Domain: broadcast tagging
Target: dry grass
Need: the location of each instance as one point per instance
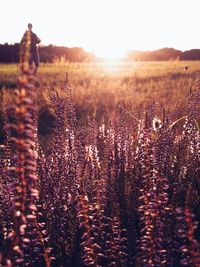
(104, 170)
(98, 89)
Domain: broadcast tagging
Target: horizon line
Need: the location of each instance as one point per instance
(92, 52)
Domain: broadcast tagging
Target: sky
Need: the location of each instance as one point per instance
(108, 28)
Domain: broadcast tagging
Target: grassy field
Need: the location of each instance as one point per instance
(104, 169)
(99, 89)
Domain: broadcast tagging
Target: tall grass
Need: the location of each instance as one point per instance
(122, 189)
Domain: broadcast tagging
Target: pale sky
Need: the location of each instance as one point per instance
(108, 28)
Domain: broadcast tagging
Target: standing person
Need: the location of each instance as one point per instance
(34, 41)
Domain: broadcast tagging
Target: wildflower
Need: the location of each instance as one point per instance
(186, 68)
(157, 124)
(102, 130)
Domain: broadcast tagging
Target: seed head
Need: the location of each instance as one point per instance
(157, 124)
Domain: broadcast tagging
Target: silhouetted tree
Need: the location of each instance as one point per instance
(193, 54)
(9, 53)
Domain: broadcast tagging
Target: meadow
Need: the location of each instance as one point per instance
(99, 164)
(99, 88)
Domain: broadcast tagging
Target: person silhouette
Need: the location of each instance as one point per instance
(34, 41)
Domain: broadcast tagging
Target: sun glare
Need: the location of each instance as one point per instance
(110, 53)
(111, 58)
(108, 29)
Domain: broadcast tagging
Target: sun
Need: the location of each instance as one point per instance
(109, 52)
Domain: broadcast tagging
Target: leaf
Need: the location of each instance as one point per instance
(175, 122)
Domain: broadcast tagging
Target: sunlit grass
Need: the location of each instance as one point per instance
(103, 171)
(99, 88)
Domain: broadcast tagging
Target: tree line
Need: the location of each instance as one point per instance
(9, 53)
(164, 54)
